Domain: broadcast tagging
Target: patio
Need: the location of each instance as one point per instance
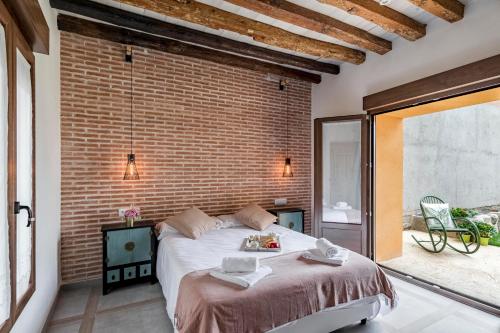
(476, 275)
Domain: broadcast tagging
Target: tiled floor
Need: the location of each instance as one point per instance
(81, 308)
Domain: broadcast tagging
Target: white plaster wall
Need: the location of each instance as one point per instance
(446, 46)
(454, 155)
(48, 189)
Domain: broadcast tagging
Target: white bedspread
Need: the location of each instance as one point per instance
(179, 255)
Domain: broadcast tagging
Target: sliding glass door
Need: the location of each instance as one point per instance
(340, 177)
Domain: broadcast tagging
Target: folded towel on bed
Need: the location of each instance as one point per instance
(339, 259)
(327, 248)
(242, 279)
(240, 264)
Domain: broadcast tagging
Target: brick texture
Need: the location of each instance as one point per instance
(205, 135)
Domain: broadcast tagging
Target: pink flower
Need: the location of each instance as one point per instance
(132, 212)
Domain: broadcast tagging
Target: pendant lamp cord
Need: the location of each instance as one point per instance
(131, 100)
(286, 89)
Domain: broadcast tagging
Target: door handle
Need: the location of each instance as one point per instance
(17, 209)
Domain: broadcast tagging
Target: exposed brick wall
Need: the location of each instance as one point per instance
(205, 135)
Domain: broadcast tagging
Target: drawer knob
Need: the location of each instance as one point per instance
(129, 246)
(145, 271)
(291, 225)
(112, 277)
(129, 273)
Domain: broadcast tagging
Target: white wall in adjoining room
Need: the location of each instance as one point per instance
(48, 179)
(445, 46)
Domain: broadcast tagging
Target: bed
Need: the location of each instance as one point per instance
(179, 256)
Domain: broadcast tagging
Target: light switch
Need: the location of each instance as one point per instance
(280, 202)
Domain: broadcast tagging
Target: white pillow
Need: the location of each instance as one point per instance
(440, 211)
(228, 221)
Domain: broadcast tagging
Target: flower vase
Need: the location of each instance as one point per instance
(130, 222)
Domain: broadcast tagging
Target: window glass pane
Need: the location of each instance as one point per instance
(24, 173)
(342, 172)
(4, 226)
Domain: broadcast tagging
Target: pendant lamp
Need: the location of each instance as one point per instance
(131, 172)
(287, 170)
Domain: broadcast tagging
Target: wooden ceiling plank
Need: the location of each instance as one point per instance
(449, 10)
(387, 18)
(153, 26)
(300, 16)
(131, 37)
(212, 17)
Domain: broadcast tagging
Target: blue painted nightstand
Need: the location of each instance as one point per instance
(129, 254)
(292, 218)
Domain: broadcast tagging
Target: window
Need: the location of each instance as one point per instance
(17, 232)
(4, 223)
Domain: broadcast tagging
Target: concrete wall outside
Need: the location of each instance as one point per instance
(454, 155)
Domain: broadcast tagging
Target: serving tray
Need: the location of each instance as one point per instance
(256, 243)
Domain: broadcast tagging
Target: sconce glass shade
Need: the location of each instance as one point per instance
(131, 172)
(287, 171)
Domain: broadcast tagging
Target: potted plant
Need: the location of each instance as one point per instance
(485, 232)
(466, 224)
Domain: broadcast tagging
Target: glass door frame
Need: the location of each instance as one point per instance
(366, 245)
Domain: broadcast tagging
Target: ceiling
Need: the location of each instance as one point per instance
(402, 6)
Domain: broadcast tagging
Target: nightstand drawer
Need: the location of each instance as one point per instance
(128, 246)
(129, 273)
(145, 270)
(113, 276)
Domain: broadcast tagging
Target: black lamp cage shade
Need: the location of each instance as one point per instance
(131, 172)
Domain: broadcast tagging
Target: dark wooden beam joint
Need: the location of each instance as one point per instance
(156, 27)
(476, 76)
(29, 17)
(127, 36)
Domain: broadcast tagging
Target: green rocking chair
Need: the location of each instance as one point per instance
(439, 222)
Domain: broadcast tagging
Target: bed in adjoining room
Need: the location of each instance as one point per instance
(299, 295)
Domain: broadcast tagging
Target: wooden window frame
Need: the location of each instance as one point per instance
(15, 40)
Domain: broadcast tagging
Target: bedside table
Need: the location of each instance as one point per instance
(128, 254)
(291, 218)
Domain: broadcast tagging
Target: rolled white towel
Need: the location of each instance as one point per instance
(244, 280)
(338, 260)
(327, 248)
(240, 264)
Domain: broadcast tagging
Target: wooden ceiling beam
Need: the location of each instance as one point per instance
(131, 37)
(289, 12)
(383, 16)
(153, 26)
(212, 17)
(449, 10)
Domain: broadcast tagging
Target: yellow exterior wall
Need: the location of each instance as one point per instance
(388, 187)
